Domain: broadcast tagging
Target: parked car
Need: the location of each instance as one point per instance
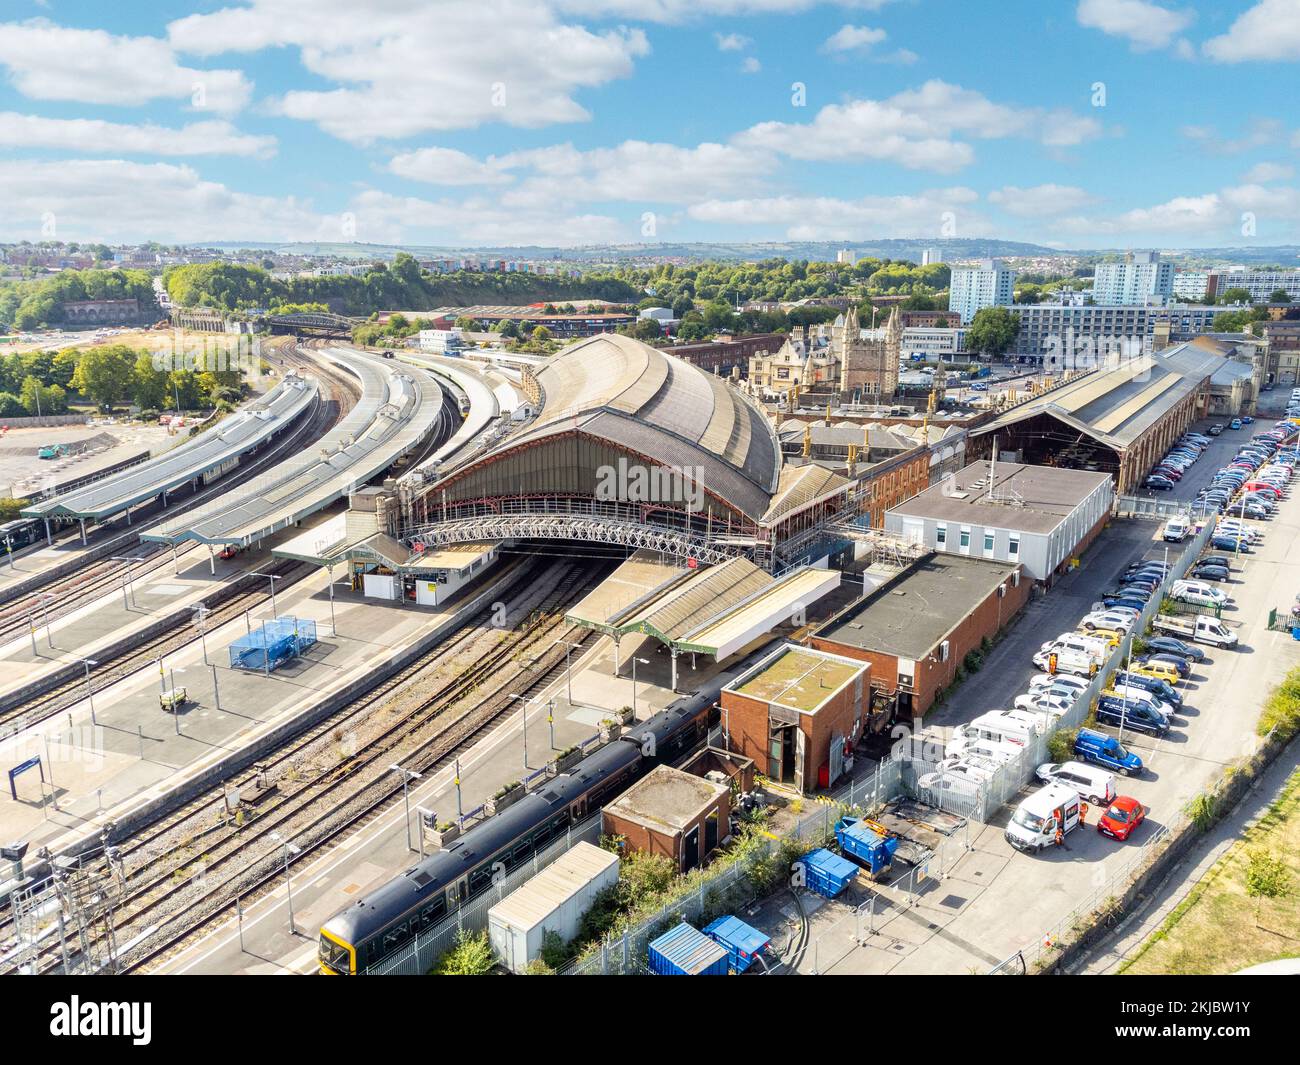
(1230, 543)
(1171, 645)
(1202, 572)
(1121, 817)
(1131, 715)
(1176, 530)
(1235, 423)
(1156, 686)
(1169, 668)
(1215, 430)
(1093, 746)
(1095, 785)
(1157, 483)
(1115, 620)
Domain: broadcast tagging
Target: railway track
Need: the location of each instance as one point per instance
(51, 601)
(189, 869)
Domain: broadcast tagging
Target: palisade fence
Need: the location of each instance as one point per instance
(928, 780)
(727, 886)
(1159, 509)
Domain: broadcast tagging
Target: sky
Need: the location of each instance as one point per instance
(1069, 123)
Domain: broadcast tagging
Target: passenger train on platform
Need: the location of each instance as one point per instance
(386, 919)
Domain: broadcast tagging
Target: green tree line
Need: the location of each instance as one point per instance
(36, 304)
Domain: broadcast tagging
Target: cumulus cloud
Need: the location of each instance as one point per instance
(1144, 25)
(1269, 31)
(849, 38)
(403, 67)
(1041, 201)
(1267, 173)
(919, 128)
(445, 166)
(94, 135)
(50, 62)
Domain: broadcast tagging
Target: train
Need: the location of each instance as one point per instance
(386, 919)
(15, 535)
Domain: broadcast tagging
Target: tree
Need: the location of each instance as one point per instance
(104, 374)
(992, 331)
(148, 383)
(1235, 295)
(647, 329)
(1279, 295)
(1266, 878)
(466, 323)
(471, 956)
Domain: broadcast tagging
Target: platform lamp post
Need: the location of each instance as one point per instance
(126, 575)
(407, 776)
(200, 620)
(46, 599)
(568, 670)
(9, 550)
(90, 692)
(272, 577)
(289, 848)
(334, 629)
(644, 662)
(525, 700)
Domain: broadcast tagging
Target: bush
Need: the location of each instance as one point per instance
(972, 662)
(1060, 747)
(471, 956)
(1282, 709)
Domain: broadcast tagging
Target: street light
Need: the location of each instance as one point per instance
(407, 776)
(568, 671)
(126, 576)
(200, 619)
(334, 629)
(289, 849)
(46, 599)
(525, 700)
(644, 662)
(272, 577)
(90, 692)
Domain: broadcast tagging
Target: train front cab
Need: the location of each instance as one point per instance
(336, 957)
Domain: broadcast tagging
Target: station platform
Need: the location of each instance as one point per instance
(109, 617)
(326, 883)
(133, 755)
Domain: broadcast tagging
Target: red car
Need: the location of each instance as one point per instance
(1121, 817)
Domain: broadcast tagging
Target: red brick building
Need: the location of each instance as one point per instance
(670, 812)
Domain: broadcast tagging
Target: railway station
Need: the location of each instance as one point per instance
(199, 461)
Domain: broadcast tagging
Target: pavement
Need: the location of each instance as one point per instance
(991, 900)
(326, 883)
(103, 761)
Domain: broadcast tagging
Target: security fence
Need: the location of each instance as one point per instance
(1159, 509)
(922, 764)
(418, 956)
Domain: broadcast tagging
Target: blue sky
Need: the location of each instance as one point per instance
(1075, 123)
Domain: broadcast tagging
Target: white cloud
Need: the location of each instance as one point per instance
(917, 128)
(50, 62)
(384, 218)
(1266, 173)
(1268, 31)
(115, 200)
(1143, 24)
(405, 67)
(1041, 201)
(1206, 219)
(849, 38)
(445, 166)
(1257, 133)
(750, 65)
(830, 218)
(93, 135)
(671, 11)
(732, 42)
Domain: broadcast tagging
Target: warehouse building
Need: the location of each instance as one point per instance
(918, 627)
(797, 714)
(1118, 419)
(1038, 516)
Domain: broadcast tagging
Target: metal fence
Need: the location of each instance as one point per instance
(726, 886)
(981, 801)
(1159, 509)
(418, 956)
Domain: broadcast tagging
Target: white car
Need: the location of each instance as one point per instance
(962, 776)
(1108, 619)
(1198, 591)
(1046, 682)
(1048, 702)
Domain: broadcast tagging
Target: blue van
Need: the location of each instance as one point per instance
(1113, 711)
(1106, 750)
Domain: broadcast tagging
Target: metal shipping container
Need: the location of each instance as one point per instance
(743, 942)
(826, 872)
(552, 901)
(686, 951)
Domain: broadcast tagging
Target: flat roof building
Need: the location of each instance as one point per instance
(673, 813)
(917, 627)
(1038, 516)
(797, 714)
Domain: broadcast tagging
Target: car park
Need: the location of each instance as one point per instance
(1121, 817)
(1093, 784)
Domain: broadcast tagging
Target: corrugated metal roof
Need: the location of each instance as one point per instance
(710, 590)
(543, 894)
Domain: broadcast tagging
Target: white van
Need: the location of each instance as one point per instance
(980, 751)
(1091, 783)
(1001, 726)
(1079, 643)
(1033, 825)
(1078, 663)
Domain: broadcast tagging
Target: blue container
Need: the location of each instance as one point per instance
(826, 873)
(860, 842)
(686, 951)
(743, 943)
